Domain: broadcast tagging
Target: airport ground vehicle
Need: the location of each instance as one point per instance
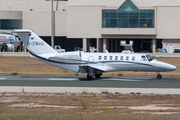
(176, 50)
(9, 42)
(58, 49)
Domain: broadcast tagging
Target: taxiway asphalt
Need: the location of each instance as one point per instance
(82, 81)
(77, 84)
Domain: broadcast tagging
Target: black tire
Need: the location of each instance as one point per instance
(89, 77)
(5, 48)
(17, 49)
(97, 75)
(159, 76)
(2, 48)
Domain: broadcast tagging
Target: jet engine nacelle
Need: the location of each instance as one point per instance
(9, 47)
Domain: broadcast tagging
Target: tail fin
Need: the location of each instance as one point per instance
(34, 43)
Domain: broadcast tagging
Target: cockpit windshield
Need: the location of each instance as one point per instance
(149, 58)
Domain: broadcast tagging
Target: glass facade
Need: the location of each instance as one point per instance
(10, 24)
(128, 16)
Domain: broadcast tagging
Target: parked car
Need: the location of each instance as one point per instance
(176, 50)
(58, 49)
(161, 50)
(77, 48)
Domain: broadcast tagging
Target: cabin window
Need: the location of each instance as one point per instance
(127, 58)
(133, 58)
(99, 57)
(79, 54)
(116, 58)
(105, 57)
(143, 58)
(121, 57)
(110, 57)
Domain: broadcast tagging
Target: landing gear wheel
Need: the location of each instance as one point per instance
(89, 77)
(159, 76)
(97, 75)
(5, 48)
(2, 49)
(17, 49)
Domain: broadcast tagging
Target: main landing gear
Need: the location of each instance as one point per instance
(98, 75)
(89, 77)
(159, 76)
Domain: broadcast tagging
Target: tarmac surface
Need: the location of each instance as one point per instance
(77, 84)
(82, 81)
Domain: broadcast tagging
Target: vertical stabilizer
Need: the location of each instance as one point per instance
(34, 43)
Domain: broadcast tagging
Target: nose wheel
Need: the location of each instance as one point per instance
(159, 76)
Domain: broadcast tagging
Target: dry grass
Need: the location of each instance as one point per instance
(30, 106)
(29, 66)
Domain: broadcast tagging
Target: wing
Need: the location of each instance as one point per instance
(97, 69)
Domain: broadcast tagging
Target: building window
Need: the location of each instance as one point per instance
(10, 24)
(116, 58)
(121, 57)
(99, 57)
(105, 57)
(127, 16)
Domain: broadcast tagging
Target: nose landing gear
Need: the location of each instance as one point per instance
(159, 76)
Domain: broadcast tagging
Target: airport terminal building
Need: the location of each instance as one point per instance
(151, 24)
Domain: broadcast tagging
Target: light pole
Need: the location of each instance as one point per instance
(53, 21)
(52, 25)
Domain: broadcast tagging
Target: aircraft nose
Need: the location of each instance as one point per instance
(172, 67)
(167, 66)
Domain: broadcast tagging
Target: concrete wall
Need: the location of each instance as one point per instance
(38, 21)
(10, 15)
(168, 42)
(83, 22)
(61, 23)
(168, 22)
(82, 18)
(129, 31)
(118, 3)
(26, 5)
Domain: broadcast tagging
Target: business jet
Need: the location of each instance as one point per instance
(8, 42)
(94, 64)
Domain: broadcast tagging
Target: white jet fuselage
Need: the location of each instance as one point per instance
(92, 63)
(106, 62)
